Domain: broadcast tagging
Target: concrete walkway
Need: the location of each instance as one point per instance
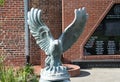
(98, 75)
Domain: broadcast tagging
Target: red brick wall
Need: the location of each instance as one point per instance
(96, 9)
(52, 17)
(12, 32)
(57, 14)
(12, 29)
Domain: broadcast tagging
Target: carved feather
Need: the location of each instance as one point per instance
(39, 30)
(74, 30)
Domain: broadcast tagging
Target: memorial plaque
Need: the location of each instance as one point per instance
(106, 38)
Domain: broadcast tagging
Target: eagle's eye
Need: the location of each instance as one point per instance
(44, 34)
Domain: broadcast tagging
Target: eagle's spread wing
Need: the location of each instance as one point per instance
(73, 31)
(39, 30)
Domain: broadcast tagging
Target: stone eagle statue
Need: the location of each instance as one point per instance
(54, 48)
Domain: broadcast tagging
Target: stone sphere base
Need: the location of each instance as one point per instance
(42, 80)
(54, 73)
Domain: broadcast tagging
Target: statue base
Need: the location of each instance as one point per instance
(54, 74)
(65, 80)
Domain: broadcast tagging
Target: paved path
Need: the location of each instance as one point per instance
(98, 75)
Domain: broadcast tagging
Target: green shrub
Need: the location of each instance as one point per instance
(2, 2)
(9, 74)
